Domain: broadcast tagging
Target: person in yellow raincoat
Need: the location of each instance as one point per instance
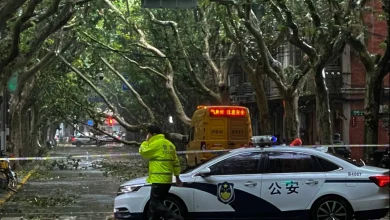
(163, 164)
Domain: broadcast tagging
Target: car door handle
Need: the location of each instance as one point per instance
(250, 183)
(311, 182)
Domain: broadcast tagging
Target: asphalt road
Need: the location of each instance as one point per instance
(71, 190)
(60, 191)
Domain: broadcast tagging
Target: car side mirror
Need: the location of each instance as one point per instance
(204, 172)
(184, 139)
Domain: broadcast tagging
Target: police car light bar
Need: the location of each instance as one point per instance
(264, 139)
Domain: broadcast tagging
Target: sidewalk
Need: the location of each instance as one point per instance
(23, 175)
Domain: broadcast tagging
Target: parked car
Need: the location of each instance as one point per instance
(275, 182)
(85, 140)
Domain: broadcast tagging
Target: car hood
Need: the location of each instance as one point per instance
(136, 181)
(142, 180)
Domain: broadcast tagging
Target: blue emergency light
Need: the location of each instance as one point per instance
(263, 140)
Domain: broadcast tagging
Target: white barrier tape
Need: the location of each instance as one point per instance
(178, 152)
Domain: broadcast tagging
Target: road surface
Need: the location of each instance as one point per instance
(59, 191)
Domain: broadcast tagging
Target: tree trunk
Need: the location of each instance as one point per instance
(176, 101)
(16, 138)
(371, 109)
(292, 116)
(257, 81)
(324, 124)
(43, 134)
(27, 149)
(224, 93)
(34, 126)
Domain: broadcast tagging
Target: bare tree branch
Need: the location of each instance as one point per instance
(306, 48)
(51, 11)
(169, 74)
(110, 106)
(264, 52)
(7, 9)
(313, 12)
(120, 105)
(135, 93)
(110, 135)
(202, 86)
(364, 55)
(206, 48)
(36, 42)
(146, 68)
(14, 50)
(45, 61)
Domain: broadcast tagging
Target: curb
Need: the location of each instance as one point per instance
(21, 183)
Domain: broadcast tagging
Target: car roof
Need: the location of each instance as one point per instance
(277, 148)
(308, 150)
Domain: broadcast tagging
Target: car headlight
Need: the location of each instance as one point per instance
(128, 189)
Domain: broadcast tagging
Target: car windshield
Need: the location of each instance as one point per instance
(190, 169)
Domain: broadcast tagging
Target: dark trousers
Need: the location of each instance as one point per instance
(157, 208)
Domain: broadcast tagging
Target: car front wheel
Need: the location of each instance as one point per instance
(173, 204)
(331, 207)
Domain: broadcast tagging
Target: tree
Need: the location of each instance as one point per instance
(376, 66)
(165, 64)
(23, 34)
(29, 42)
(320, 36)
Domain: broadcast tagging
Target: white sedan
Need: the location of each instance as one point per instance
(264, 183)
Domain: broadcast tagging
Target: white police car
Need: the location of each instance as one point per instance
(264, 183)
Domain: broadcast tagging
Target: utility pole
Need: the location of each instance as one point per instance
(4, 119)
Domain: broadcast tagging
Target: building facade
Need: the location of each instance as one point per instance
(345, 80)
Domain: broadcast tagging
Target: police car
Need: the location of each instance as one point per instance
(263, 183)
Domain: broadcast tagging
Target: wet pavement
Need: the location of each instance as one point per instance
(69, 188)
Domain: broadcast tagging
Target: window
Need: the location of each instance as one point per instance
(326, 165)
(289, 162)
(245, 163)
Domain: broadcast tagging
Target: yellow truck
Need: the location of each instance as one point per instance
(216, 128)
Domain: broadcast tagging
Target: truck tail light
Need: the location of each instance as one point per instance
(73, 138)
(380, 181)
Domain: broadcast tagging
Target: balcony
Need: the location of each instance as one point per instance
(241, 90)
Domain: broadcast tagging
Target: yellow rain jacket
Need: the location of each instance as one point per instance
(163, 161)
